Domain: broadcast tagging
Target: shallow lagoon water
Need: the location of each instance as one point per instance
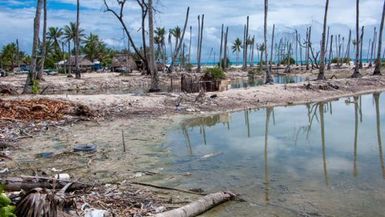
(254, 82)
(313, 160)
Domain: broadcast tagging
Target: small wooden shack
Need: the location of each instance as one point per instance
(123, 63)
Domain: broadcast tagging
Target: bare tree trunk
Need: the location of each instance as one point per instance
(152, 66)
(296, 47)
(225, 65)
(373, 47)
(221, 48)
(252, 52)
(44, 43)
(348, 45)
(245, 42)
(377, 70)
(272, 49)
(77, 39)
(361, 45)
(189, 47)
(330, 52)
(321, 74)
(36, 29)
(179, 43)
(200, 43)
(269, 77)
(356, 72)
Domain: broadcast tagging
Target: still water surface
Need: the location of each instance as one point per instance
(321, 159)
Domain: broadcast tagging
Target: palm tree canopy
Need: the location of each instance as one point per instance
(237, 45)
(70, 32)
(160, 36)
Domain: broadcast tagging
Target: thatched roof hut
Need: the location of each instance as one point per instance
(123, 61)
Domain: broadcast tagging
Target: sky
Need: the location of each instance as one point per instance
(16, 19)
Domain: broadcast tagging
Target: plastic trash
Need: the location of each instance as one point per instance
(88, 148)
(96, 213)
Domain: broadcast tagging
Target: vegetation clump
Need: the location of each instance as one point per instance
(341, 60)
(6, 209)
(215, 73)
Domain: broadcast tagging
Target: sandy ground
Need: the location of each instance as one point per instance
(158, 104)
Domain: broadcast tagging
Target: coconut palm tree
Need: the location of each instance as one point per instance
(69, 33)
(54, 35)
(93, 47)
(321, 75)
(356, 72)
(175, 33)
(159, 38)
(237, 46)
(377, 70)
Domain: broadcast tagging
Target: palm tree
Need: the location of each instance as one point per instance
(53, 36)
(377, 70)
(237, 45)
(177, 34)
(69, 35)
(321, 75)
(36, 29)
(356, 72)
(93, 47)
(159, 38)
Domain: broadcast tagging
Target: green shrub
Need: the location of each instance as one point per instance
(35, 87)
(341, 60)
(189, 67)
(6, 209)
(286, 60)
(216, 73)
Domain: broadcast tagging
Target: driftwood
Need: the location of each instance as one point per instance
(169, 188)
(28, 183)
(200, 206)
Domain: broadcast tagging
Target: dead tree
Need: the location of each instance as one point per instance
(200, 39)
(225, 63)
(269, 77)
(321, 74)
(361, 45)
(377, 70)
(178, 45)
(330, 53)
(245, 45)
(347, 56)
(77, 41)
(373, 48)
(221, 48)
(144, 11)
(356, 72)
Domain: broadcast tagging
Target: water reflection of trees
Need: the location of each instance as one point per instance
(266, 157)
(376, 97)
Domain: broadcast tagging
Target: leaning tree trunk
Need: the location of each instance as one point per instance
(269, 77)
(44, 43)
(356, 72)
(36, 28)
(153, 68)
(321, 74)
(178, 43)
(77, 39)
(377, 70)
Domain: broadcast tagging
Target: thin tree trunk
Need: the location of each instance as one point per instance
(179, 43)
(247, 37)
(77, 39)
(348, 46)
(189, 48)
(361, 45)
(356, 72)
(321, 75)
(330, 53)
(373, 47)
(221, 48)
(377, 70)
(252, 52)
(269, 77)
(225, 65)
(200, 43)
(272, 49)
(44, 43)
(36, 29)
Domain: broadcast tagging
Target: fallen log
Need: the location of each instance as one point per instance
(29, 183)
(200, 206)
